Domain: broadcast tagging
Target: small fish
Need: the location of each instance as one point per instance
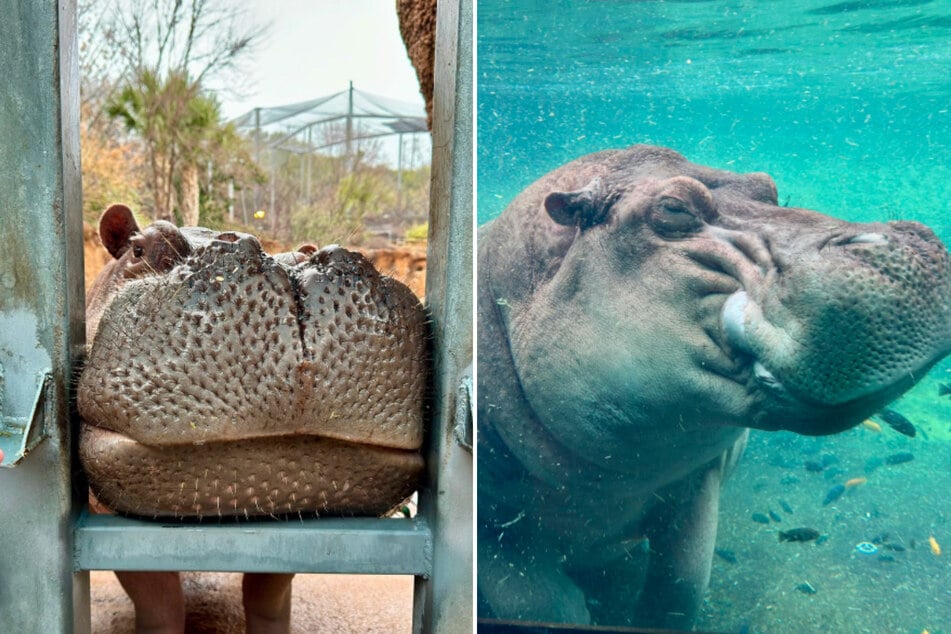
(898, 422)
(774, 516)
(935, 546)
(854, 482)
(880, 538)
(944, 389)
(798, 535)
(898, 548)
(785, 506)
(725, 555)
(900, 457)
(834, 494)
(887, 558)
(872, 425)
(759, 518)
(806, 588)
(812, 465)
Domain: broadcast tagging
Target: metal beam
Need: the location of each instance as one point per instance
(41, 312)
(444, 604)
(326, 545)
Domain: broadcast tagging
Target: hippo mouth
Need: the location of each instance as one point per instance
(240, 385)
(777, 405)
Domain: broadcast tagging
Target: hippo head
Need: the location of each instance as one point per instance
(223, 381)
(665, 290)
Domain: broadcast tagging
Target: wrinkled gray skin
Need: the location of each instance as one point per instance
(221, 381)
(637, 313)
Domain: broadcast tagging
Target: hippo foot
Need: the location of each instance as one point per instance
(288, 475)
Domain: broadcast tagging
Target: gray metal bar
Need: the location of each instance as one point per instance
(444, 604)
(41, 310)
(326, 545)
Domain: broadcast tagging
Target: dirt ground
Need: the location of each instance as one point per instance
(344, 604)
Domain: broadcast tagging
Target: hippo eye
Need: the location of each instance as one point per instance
(674, 216)
(137, 250)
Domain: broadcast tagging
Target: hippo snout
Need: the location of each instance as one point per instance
(850, 320)
(234, 383)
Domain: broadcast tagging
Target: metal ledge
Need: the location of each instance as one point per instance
(328, 545)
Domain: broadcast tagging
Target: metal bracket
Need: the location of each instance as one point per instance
(21, 434)
(462, 420)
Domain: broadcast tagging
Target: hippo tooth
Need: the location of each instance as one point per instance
(764, 376)
(868, 238)
(733, 317)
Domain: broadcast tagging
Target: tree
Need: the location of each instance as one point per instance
(207, 40)
(148, 63)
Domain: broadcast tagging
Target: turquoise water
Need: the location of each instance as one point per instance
(847, 105)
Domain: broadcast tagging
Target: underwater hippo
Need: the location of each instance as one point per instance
(637, 314)
(221, 381)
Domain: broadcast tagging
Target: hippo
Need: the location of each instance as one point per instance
(637, 315)
(223, 382)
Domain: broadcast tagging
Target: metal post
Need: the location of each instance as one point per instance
(349, 128)
(41, 313)
(444, 602)
(399, 174)
(310, 151)
(257, 157)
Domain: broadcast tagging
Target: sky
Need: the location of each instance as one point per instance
(315, 47)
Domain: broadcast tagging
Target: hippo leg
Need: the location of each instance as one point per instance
(158, 600)
(682, 533)
(611, 584)
(267, 602)
(526, 583)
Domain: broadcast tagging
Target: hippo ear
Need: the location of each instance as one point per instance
(583, 208)
(116, 226)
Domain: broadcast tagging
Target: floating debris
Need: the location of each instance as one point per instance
(866, 548)
(854, 482)
(806, 588)
(759, 518)
(872, 425)
(898, 422)
(899, 458)
(935, 546)
(834, 494)
(813, 466)
(774, 516)
(725, 554)
(785, 506)
(798, 535)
